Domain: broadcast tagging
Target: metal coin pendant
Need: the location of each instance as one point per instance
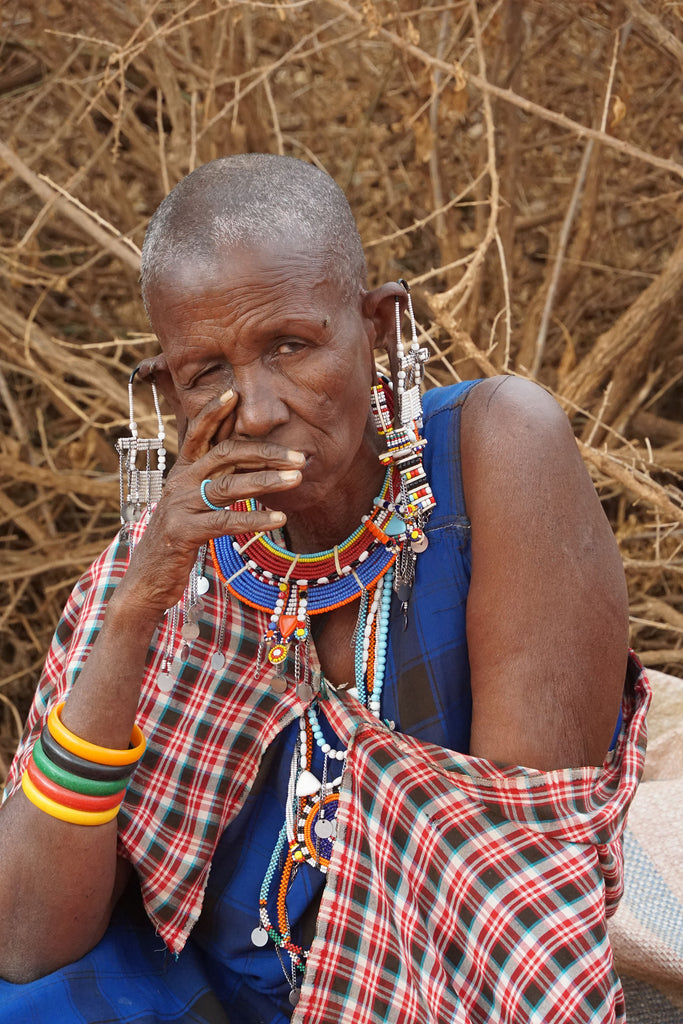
(165, 682)
(323, 828)
(202, 585)
(189, 631)
(278, 683)
(217, 661)
(304, 692)
(259, 936)
(294, 996)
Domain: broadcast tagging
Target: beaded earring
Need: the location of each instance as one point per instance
(139, 488)
(401, 433)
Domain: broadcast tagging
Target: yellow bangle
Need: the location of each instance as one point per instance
(91, 751)
(70, 814)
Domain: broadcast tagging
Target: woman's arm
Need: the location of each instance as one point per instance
(547, 612)
(59, 881)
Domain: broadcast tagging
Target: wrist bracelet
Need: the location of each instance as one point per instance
(67, 779)
(68, 814)
(78, 765)
(92, 751)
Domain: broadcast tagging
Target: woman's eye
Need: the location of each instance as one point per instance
(289, 347)
(208, 373)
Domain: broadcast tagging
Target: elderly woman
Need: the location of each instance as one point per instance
(338, 723)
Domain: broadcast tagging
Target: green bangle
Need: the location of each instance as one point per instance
(75, 783)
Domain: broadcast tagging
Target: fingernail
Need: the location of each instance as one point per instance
(288, 476)
(276, 518)
(294, 456)
(226, 396)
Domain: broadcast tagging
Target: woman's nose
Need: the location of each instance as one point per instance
(260, 409)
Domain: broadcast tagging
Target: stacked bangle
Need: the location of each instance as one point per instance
(57, 810)
(91, 751)
(77, 781)
(78, 765)
(67, 797)
(70, 781)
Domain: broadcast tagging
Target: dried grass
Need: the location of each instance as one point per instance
(518, 161)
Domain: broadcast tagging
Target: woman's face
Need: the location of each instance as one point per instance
(275, 328)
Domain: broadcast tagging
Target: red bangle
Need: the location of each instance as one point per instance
(66, 797)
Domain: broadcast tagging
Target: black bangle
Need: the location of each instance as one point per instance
(79, 765)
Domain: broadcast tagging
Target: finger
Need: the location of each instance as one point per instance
(233, 521)
(201, 430)
(241, 455)
(218, 493)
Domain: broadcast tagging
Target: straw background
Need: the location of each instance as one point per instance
(519, 162)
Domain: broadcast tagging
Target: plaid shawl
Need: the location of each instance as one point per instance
(463, 892)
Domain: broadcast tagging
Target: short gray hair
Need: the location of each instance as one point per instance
(252, 199)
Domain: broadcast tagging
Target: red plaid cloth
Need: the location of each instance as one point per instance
(457, 891)
(205, 739)
(462, 892)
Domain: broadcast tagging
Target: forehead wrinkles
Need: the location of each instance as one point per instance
(241, 299)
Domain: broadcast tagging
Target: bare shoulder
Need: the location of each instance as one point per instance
(547, 611)
(518, 445)
(502, 411)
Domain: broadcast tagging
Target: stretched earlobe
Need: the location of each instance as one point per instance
(379, 306)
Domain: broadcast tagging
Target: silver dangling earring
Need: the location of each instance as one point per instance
(404, 448)
(139, 488)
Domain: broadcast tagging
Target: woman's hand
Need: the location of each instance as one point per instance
(238, 469)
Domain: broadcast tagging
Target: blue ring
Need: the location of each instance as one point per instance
(209, 504)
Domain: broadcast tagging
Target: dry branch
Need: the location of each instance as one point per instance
(458, 131)
(64, 206)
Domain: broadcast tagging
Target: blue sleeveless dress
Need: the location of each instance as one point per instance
(220, 977)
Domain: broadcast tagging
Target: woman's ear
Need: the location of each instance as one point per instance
(379, 306)
(155, 371)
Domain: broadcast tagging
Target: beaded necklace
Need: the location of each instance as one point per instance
(291, 587)
(309, 830)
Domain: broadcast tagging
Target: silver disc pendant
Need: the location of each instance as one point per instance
(278, 684)
(304, 692)
(202, 585)
(217, 661)
(323, 828)
(189, 631)
(165, 682)
(294, 996)
(259, 936)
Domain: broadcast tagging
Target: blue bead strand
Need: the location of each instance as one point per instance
(381, 641)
